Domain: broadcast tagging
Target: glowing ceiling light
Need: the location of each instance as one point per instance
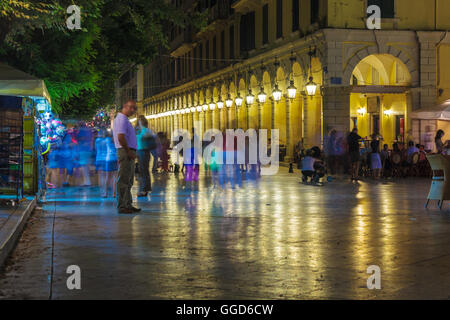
(292, 90)
(250, 98)
(238, 100)
(229, 101)
(311, 87)
(262, 96)
(276, 93)
(388, 112)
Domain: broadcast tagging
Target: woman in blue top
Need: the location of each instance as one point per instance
(144, 136)
(100, 161)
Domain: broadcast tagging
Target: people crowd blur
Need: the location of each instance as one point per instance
(358, 157)
(110, 158)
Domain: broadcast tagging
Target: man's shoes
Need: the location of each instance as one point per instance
(126, 211)
(129, 210)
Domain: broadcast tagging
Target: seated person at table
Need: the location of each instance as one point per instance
(422, 153)
(446, 148)
(403, 153)
(312, 167)
(412, 149)
(385, 160)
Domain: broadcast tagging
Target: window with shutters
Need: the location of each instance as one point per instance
(387, 7)
(214, 49)
(265, 24)
(207, 55)
(200, 59)
(280, 18)
(295, 15)
(232, 42)
(222, 45)
(195, 60)
(247, 32)
(314, 11)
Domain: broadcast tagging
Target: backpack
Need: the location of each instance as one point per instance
(151, 143)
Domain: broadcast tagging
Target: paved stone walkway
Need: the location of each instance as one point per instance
(271, 238)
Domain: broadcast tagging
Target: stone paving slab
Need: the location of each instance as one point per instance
(12, 222)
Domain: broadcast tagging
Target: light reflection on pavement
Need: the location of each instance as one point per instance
(270, 238)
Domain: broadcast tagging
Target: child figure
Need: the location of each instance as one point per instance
(312, 167)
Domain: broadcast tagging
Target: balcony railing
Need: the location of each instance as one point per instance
(218, 14)
(182, 43)
(244, 6)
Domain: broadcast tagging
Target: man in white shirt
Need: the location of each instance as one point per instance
(126, 144)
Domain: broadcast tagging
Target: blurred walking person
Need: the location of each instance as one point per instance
(145, 142)
(156, 153)
(353, 140)
(375, 158)
(126, 144)
(332, 152)
(54, 167)
(100, 161)
(67, 159)
(85, 152)
(111, 165)
(165, 146)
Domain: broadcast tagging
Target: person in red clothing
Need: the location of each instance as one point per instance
(165, 146)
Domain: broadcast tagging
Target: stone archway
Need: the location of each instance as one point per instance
(359, 54)
(253, 111)
(379, 101)
(266, 107)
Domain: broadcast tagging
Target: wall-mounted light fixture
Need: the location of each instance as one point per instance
(228, 101)
(238, 100)
(311, 86)
(250, 97)
(276, 93)
(262, 96)
(388, 113)
(292, 90)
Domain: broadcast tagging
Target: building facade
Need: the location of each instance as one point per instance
(311, 66)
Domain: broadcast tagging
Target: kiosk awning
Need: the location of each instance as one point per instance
(14, 82)
(439, 112)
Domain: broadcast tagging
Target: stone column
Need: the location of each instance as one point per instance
(272, 114)
(428, 76)
(247, 121)
(259, 115)
(211, 114)
(140, 90)
(289, 149)
(336, 110)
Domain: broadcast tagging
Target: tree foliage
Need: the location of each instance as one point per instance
(80, 66)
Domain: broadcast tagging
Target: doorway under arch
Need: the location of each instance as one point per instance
(380, 98)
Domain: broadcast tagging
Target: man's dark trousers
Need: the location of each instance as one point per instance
(125, 180)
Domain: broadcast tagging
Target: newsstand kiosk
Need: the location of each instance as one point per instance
(24, 100)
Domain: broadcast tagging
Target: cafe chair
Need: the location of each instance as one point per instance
(440, 185)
